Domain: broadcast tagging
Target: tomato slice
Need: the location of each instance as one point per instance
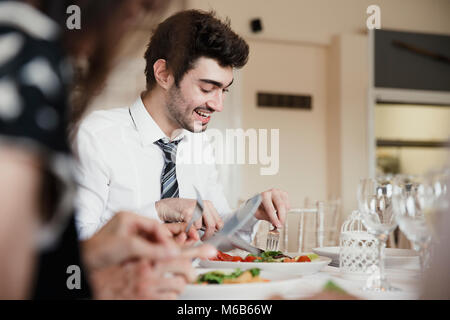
(219, 255)
(289, 260)
(251, 259)
(224, 257)
(236, 258)
(304, 259)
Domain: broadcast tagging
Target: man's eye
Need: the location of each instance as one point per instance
(226, 90)
(205, 91)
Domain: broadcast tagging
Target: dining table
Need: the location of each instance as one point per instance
(406, 280)
(405, 277)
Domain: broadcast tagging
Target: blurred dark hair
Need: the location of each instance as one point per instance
(188, 35)
(104, 23)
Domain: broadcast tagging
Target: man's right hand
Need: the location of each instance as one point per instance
(182, 210)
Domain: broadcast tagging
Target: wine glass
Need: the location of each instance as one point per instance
(374, 202)
(417, 202)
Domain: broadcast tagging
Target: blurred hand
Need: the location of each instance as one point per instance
(177, 229)
(274, 207)
(143, 279)
(139, 280)
(128, 236)
(182, 210)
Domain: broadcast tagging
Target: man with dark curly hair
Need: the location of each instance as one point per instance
(132, 158)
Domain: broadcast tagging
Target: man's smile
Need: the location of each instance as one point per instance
(202, 115)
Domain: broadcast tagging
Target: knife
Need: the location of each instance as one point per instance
(198, 211)
(223, 243)
(239, 243)
(225, 239)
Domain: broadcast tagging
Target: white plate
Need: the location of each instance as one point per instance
(395, 258)
(330, 252)
(298, 268)
(279, 283)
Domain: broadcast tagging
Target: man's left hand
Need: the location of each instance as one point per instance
(274, 207)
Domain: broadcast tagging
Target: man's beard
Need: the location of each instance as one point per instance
(184, 120)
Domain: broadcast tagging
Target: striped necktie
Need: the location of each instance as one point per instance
(169, 184)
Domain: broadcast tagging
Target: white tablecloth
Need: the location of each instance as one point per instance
(406, 280)
(305, 286)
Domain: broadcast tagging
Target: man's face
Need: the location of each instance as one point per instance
(201, 92)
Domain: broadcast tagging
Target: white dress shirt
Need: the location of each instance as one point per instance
(120, 168)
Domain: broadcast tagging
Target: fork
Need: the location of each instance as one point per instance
(273, 237)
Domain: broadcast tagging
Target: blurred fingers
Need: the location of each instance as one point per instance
(150, 229)
(142, 281)
(178, 267)
(137, 247)
(171, 287)
(204, 251)
(193, 235)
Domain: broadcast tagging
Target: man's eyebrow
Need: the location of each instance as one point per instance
(216, 83)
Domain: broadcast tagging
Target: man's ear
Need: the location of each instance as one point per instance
(162, 74)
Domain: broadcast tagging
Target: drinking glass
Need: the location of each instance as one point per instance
(418, 202)
(375, 206)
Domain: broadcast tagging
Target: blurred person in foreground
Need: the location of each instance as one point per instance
(131, 256)
(436, 284)
(142, 156)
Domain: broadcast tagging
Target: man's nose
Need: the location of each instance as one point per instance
(216, 102)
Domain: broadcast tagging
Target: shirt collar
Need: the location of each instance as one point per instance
(148, 129)
(29, 19)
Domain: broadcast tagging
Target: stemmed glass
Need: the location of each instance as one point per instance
(374, 202)
(417, 201)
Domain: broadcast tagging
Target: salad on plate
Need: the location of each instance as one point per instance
(237, 276)
(266, 256)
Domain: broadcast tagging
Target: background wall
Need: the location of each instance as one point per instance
(317, 21)
(288, 68)
(348, 118)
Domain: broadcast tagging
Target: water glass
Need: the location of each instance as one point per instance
(375, 206)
